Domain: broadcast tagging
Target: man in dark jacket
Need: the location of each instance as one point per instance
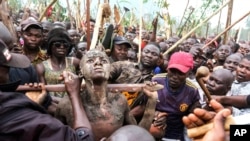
(23, 119)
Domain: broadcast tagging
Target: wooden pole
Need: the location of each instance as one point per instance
(229, 27)
(140, 33)
(190, 32)
(98, 23)
(88, 24)
(229, 18)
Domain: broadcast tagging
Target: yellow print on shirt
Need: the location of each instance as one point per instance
(183, 107)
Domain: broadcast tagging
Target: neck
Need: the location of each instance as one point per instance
(30, 51)
(144, 68)
(97, 91)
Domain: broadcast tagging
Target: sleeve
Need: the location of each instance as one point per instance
(115, 71)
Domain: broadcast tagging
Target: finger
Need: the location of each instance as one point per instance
(35, 85)
(216, 105)
(187, 122)
(204, 114)
(219, 121)
(196, 120)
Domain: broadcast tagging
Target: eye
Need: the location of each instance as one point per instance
(104, 61)
(90, 61)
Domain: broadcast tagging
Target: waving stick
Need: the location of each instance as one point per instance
(228, 28)
(103, 12)
(201, 73)
(190, 32)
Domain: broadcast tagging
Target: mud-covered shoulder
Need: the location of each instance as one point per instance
(64, 111)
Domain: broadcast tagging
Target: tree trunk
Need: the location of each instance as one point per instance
(229, 17)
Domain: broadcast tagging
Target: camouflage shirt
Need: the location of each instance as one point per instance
(40, 57)
(129, 72)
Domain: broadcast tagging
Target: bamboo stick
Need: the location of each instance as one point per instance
(229, 27)
(88, 23)
(190, 32)
(140, 33)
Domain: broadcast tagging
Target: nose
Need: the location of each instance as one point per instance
(97, 61)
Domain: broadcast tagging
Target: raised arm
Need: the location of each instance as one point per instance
(72, 84)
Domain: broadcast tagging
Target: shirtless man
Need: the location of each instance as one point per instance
(106, 111)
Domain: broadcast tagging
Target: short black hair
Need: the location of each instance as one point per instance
(155, 44)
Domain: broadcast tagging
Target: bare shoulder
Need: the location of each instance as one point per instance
(40, 68)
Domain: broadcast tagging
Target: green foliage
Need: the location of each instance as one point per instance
(15, 5)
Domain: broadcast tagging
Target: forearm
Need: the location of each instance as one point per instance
(148, 115)
(242, 101)
(153, 35)
(80, 117)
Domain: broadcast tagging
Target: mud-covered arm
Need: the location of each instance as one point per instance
(149, 112)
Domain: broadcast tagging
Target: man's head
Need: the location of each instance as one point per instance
(220, 81)
(244, 49)
(198, 55)
(243, 69)
(232, 61)
(95, 66)
(150, 55)
(119, 52)
(32, 33)
(58, 39)
(81, 49)
(179, 65)
(47, 26)
(74, 35)
(223, 52)
(130, 133)
(188, 44)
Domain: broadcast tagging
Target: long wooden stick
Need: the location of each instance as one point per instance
(190, 32)
(140, 32)
(88, 24)
(44, 12)
(111, 87)
(229, 27)
(97, 26)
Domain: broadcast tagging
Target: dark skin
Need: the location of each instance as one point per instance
(32, 39)
(120, 52)
(242, 75)
(231, 62)
(201, 116)
(57, 61)
(149, 58)
(219, 82)
(176, 80)
(74, 35)
(72, 86)
(221, 54)
(243, 71)
(106, 111)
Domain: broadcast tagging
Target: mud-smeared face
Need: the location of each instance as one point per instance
(95, 65)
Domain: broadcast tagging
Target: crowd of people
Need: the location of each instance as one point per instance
(55, 53)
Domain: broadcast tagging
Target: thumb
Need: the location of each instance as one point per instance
(219, 122)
